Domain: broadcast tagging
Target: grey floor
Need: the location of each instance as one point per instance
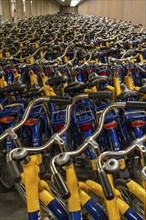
(12, 207)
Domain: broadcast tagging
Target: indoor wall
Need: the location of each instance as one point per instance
(131, 10)
(32, 7)
(28, 8)
(6, 9)
(19, 9)
(67, 9)
(53, 8)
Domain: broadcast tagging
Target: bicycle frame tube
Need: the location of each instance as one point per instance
(137, 131)
(114, 139)
(90, 151)
(129, 81)
(31, 182)
(144, 186)
(53, 205)
(112, 89)
(3, 82)
(16, 74)
(91, 206)
(116, 145)
(111, 205)
(137, 190)
(9, 78)
(79, 77)
(74, 206)
(44, 193)
(9, 140)
(126, 211)
(65, 137)
(116, 85)
(36, 139)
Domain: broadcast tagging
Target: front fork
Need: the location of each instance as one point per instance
(74, 206)
(37, 189)
(79, 198)
(31, 181)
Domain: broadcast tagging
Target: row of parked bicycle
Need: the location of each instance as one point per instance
(73, 88)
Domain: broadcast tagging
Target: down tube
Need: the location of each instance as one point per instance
(53, 205)
(34, 215)
(126, 211)
(92, 207)
(130, 214)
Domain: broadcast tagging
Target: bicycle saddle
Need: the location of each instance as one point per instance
(16, 86)
(143, 87)
(33, 91)
(75, 87)
(57, 79)
(97, 80)
(127, 93)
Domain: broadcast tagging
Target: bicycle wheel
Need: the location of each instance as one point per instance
(6, 183)
(137, 170)
(131, 199)
(135, 167)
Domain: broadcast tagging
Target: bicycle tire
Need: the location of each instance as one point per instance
(6, 183)
(137, 172)
(135, 168)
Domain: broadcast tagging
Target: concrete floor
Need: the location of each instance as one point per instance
(12, 207)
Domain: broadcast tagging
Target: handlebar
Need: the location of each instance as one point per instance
(90, 56)
(55, 137)
(66, 64)
(56, 99)
(59, 100)
(136, 144)
(122, 58)
(63, 158)
(25, 58)
(59, 58)
(112, 164)
(140, 68)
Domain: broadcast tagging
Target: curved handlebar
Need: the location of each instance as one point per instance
(136, 144)
(58, 58)
(56, 99)
(86, 143)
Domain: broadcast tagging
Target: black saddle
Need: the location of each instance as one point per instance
(75, 87)
(96, 80)
(16, 86)
(33, 91)
(56, 80)
(127, 93)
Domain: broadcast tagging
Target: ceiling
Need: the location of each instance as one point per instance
(66, 3)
